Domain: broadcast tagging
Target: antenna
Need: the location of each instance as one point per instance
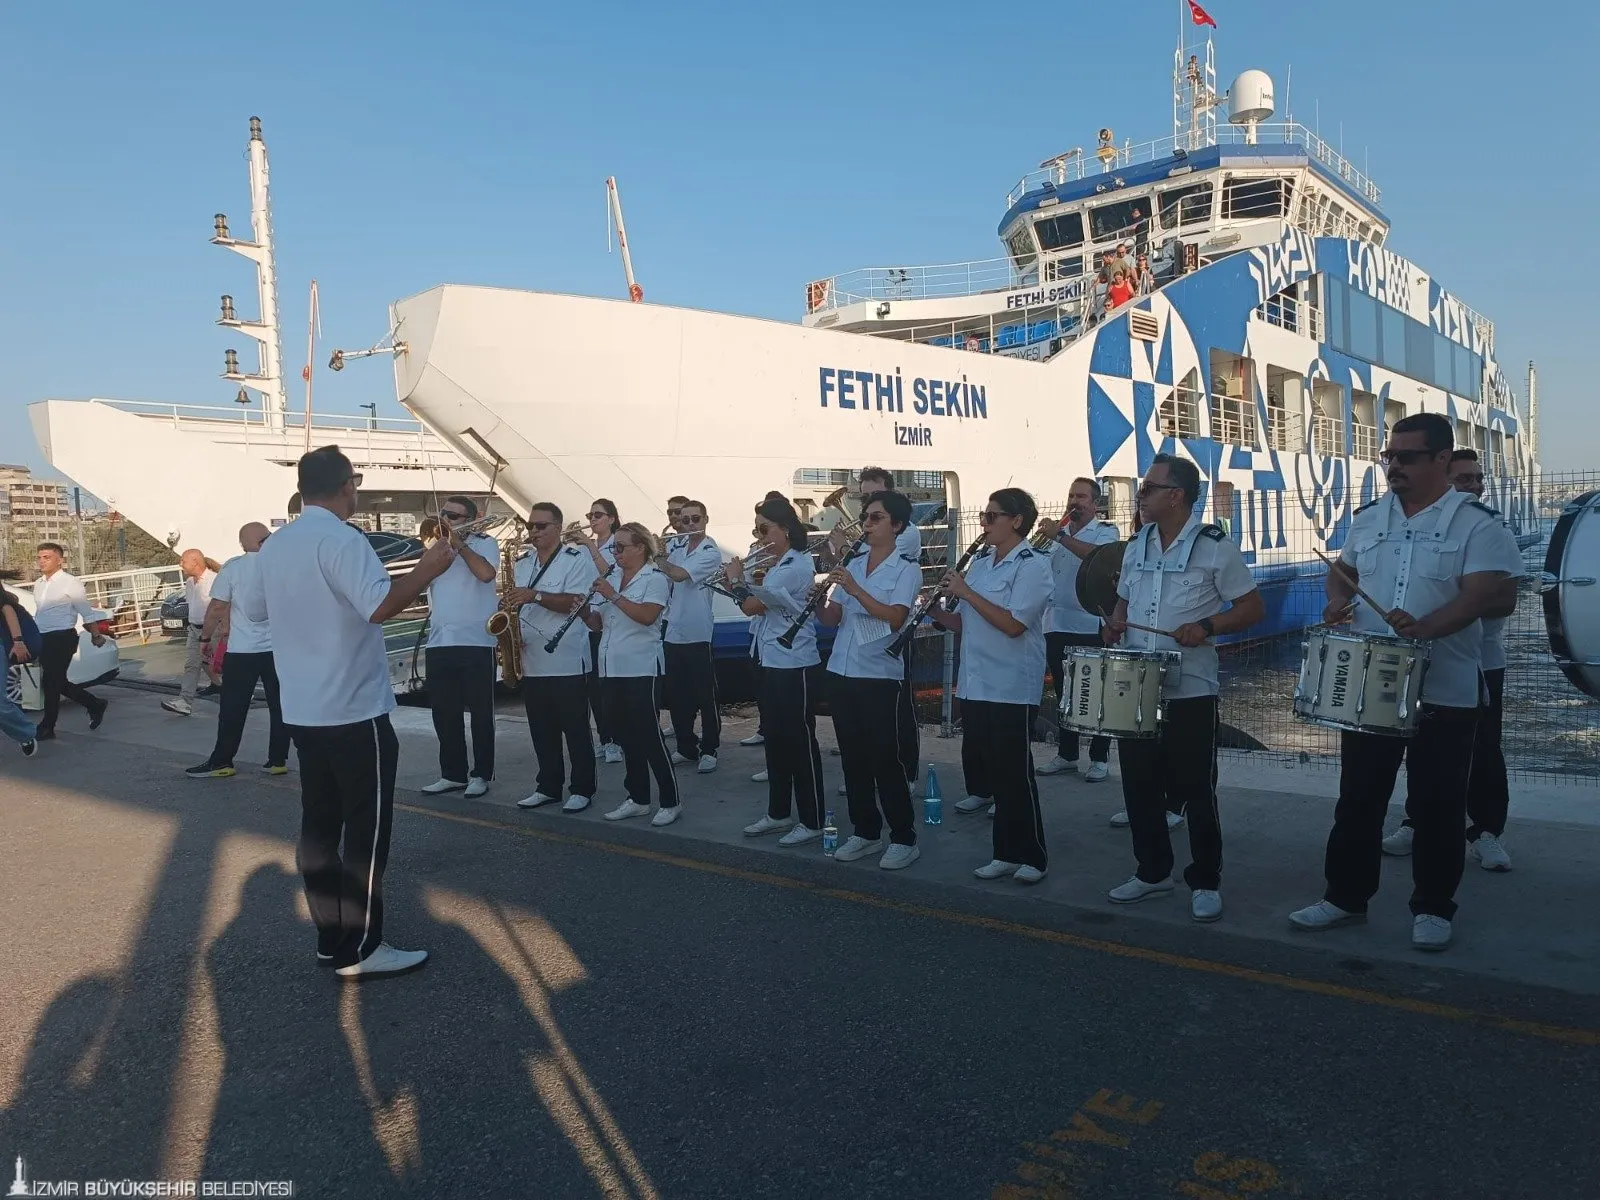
(635, 292)
(313, 328)
(1533, 412)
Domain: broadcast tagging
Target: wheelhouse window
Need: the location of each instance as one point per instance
(1120, 219)
(1186, 205)
(1020, 245)
(1247, 199)
(1062, 232)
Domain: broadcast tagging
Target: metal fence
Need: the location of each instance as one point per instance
(95, 544)
(1552, 730)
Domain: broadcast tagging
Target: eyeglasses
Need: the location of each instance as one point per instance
(1463, 477)
(356, 478)
(1404, 457)
(540, 526)
(596, 516)
(1149, 489)
(872, 518)
(763, 530)
(454, 516)
(989, 518)
(693, 520)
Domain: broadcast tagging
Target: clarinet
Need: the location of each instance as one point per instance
(555, 638)
(925, 603)
(818, 595)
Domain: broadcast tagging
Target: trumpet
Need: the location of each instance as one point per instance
(928, 598)
(759, 560)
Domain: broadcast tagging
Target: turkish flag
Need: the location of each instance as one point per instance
(1200, 15)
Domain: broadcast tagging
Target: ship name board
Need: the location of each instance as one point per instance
(1043, 297)
(842, 387)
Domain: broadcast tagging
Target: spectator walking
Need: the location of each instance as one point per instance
(58, 602)
(20, 645)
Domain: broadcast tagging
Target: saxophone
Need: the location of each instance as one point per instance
(505, 626)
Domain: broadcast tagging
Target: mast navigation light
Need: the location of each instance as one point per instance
(230, 363)
(221, 234)
(227, 309)
(255, 129)
(336, 362)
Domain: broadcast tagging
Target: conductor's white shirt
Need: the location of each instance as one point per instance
(322, 581)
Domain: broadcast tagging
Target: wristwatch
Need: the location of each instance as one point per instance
(1205, 624)
(538, 597)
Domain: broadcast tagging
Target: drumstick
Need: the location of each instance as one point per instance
(1335, 565)
(1141, 628)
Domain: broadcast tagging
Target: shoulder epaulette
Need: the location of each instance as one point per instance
(1367, 505)
(1479, 504)
(1215, 532)
(572, 550)
(1025, 552)
(911, 558)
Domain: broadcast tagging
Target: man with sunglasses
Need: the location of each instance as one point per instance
(461, 653)
(325, 596)
(691, 673)
(551, 582)
(1439, 562)
(1177, 574)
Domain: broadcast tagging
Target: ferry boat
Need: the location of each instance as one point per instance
(1280, 338)
(191, 475)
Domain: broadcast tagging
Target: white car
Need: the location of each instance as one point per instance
(90, 665)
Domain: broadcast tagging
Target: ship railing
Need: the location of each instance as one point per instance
(1076, 166)
(936, 282)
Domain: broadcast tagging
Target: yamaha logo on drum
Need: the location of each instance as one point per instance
(1083, 691)
(1341, 679)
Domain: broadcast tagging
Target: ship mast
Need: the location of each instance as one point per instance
(1194, 85)
(1533, 413)
(268, 378)
(635, 292)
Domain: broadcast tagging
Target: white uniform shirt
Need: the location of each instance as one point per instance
(608, 549)
(861, 647)
(1066, 615)
(460, 604)
(238, 585)
(58, 601)
(627, 648)
(909, 541)
(1494, 638)
(571, 573)
(994, 667)
(689, 609)
(197, 594)
(1417, 565)
(322, 581)
(1187, 582)
(792, 579)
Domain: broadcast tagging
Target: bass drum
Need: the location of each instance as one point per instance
(1098, 574)
(1571, 594)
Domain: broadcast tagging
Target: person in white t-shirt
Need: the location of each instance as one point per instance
(461, 655)
(325, 597)
(629, 601)
(1073, 538)
(238, 588)
(691, 559)
(199, 573)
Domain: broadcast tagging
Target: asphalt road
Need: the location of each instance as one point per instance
(613, 1015)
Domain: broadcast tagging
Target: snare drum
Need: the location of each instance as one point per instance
(1116, 693)
(1363, 682)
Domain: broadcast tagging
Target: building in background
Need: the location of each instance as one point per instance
(42, 508)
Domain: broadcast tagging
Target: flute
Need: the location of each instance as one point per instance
(818, 595)
(926, 601)
(555, 638)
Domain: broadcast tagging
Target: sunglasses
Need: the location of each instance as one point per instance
(989, 518)
(356, 479)
(454, 516)
(1150, 489)
(872, 518)
(597, 516)
(1403, 457)
(763, 530)
(540, 525)
(693, 520)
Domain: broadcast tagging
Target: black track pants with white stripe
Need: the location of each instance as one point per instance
(1001, 738)
(633, 713)
(865, 713)
(794, 761)
(691, 691)
(346, 796)
(1175, 772)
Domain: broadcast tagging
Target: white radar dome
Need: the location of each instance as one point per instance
(1250, 98)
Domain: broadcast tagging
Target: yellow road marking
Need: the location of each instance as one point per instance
(1426, 1008)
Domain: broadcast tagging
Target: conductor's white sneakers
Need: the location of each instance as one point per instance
(440, 786)
(384, 962)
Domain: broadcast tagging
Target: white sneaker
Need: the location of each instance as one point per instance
(843, 790)
(1174, 819)
(972, 804)
(178, 705)
(1097, 773)
(599, 751)
(677, 759)
(537, 800)
(476, 787)
(1430, 933)
(613, 752)
(384, 961)
(1027, 874)
(996, 869)
(1322, 915)
(1057, 766)
(898, 857)
(1489, 854)
(666, 816)
(1205, 904)
(799, 836)
(1399, 842)
(1137, 889)
(576, 804)
(768, 825)
(1119, 820)
(858, 847)
(628, 808)
(991, 811)
(440, 786)
(755, 739)
(760, 776)
(708, 764)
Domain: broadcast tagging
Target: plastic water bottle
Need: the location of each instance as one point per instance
(830, 835)
(932, 800)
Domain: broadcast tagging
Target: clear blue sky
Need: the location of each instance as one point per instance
(757, 148)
